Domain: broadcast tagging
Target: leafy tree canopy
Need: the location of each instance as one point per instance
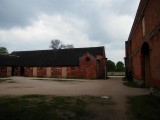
(57, 44)
(3, 51)
(119, 66)
(111, 66)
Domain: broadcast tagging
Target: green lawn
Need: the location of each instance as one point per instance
(39, 107)
(144, 107)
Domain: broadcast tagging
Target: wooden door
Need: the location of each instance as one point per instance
(9, 71)
(35, 71)
(64, 72)
(48, 71)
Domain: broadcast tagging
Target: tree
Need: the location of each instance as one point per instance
(57, 44)
(69, 46)
(111, 66)
(119, 66)
(3, 51)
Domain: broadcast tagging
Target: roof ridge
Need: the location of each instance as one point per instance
(58, 49)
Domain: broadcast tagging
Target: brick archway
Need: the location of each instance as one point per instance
(145, 51)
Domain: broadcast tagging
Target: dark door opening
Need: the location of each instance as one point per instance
(22, 71)
(13, 69)
(146, 64)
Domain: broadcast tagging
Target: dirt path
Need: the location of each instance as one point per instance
(112, 87)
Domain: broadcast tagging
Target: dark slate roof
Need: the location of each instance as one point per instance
(8, 60)
(60, 57)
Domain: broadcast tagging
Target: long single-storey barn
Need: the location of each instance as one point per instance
(85, 63)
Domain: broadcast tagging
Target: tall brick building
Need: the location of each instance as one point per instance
(143, 45)
(87, 63)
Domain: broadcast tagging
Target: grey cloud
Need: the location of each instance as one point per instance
(23, 12)
(125, 7)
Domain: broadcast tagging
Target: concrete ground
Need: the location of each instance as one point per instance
(112, 87)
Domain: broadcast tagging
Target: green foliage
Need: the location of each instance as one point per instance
(111, 66)
(131, 84)
(3, 51)
(144, 107)
(120, 66)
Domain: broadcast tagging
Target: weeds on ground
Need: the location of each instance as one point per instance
(39, 107)
(145, 107)
(131, 84)
(5, 80)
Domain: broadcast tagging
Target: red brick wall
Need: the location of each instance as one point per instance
(88, 67)
(73, 72)
(3, 71)
(155, 60)
(17, 71)
(28, 71)
(152, 37)
(41, 71)
(102, 68)
(56, 72)
(153, 20)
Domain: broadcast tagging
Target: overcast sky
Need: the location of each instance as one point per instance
(32, 24)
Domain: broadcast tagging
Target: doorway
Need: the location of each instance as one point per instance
(22, 71)
(64, 72)
(13, 69)
(146, 64)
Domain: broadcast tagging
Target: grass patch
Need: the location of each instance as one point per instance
(4, 79)
(40, 107)
(131, 84)
(144, 107)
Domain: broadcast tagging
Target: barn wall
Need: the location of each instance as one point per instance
(90, 67)
(149, 11)
(3, 71)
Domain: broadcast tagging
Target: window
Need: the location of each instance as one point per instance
(87, 59)
(143, 26)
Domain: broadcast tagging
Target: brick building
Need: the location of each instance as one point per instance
(87, 63)
(143, 45)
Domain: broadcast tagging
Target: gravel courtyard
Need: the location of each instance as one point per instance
(112, 88)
